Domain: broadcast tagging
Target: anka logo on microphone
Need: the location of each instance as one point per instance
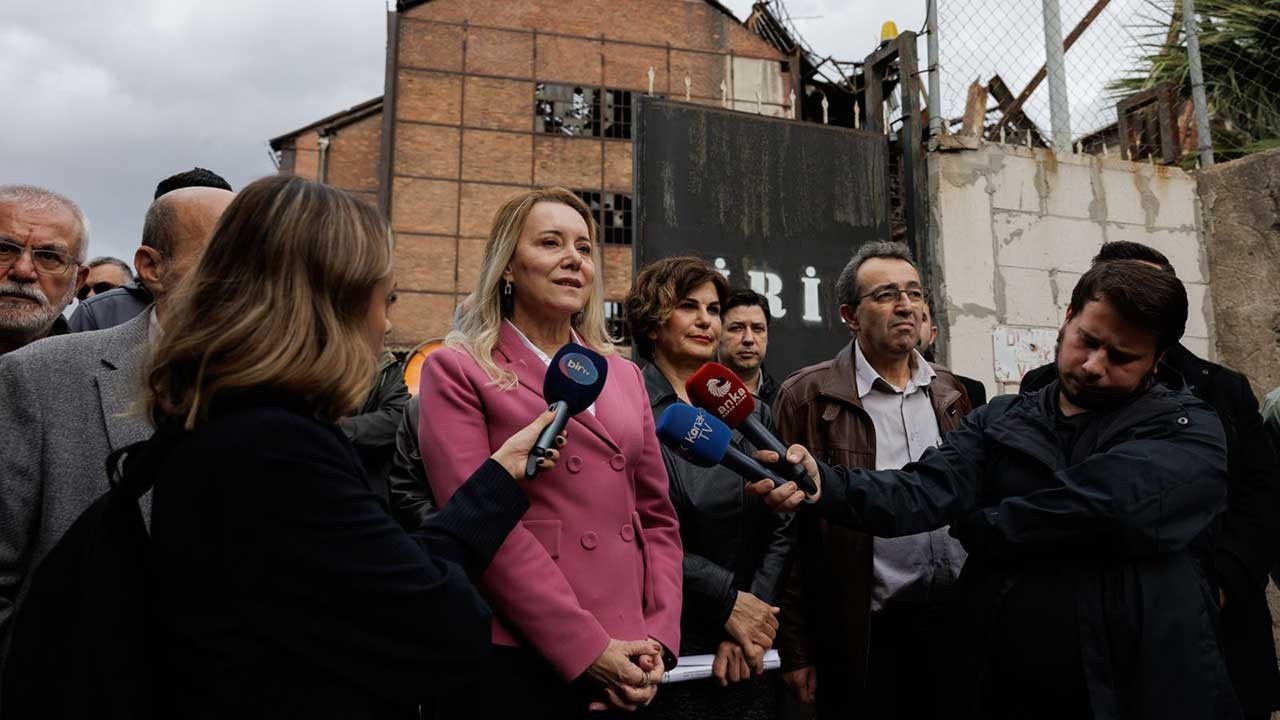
(719, 387)
(579, 368)
(700, 430)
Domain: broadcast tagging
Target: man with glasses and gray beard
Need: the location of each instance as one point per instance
(43, 243)
(67, 402)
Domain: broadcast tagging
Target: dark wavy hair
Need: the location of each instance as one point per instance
(656, 291)
(1144, 296)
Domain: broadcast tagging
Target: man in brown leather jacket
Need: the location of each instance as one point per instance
(862, 627)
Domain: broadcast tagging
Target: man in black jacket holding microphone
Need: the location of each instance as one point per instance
(1078, 505)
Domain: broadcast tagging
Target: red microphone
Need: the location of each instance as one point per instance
(718, 390)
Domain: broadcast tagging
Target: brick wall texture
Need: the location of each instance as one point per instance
(464, 136)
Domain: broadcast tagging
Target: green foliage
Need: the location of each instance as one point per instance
(1240, 56)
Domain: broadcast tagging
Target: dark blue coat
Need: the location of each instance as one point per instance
(1115, 527)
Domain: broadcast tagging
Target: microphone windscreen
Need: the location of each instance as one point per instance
(694, 434)
(576, 376)
(718, 390)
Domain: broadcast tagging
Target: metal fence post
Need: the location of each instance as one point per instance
(935, 83)
(1055, 65)
(1197, 84)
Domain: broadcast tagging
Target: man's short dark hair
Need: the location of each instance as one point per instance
(745, 297)
(1126, 250)
(195, 177)
(107, 260)
(1143, 296)
(847, 283)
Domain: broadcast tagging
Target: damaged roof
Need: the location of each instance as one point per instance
(332, 122)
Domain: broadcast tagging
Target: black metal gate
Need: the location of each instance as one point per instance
(778, 205)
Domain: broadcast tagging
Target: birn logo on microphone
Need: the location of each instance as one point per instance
(719, 387)
(701, 430)
(579, 368)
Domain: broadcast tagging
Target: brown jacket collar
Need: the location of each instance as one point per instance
(840, 384)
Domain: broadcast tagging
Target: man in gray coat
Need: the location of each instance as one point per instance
(67, 402)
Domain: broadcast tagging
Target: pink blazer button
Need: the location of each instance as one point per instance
(573, 464)
(589, 540)
(618, 462)
(628, 532)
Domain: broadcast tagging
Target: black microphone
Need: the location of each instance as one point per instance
(700, 438)
(574, 380)
(718, 390)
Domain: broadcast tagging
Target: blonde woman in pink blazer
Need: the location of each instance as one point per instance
(586, 590)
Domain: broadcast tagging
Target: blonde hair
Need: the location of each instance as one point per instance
(479, 321)
(277, 303)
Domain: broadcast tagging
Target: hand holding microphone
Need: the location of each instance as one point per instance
(573, 382)
(718, 390)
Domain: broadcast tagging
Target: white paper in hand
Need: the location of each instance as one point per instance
(698, 667)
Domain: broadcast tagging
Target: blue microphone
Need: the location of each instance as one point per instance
(703, 439)
(573, 382)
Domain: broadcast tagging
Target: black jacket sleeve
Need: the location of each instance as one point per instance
(412, 502)
(945, 483)
(1250, 536)
(376, 426)
(1153, 493)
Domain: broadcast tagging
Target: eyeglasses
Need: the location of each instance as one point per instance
(889, 294)
(46, 261)
(98, 288)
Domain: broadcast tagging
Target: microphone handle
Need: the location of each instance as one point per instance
(760, 436)
(748, 467)
(547, 438)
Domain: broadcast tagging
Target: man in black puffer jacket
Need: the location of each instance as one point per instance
(1084, 595)
(1238, 554)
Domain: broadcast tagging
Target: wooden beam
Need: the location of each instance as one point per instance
(1038, 78)
(975, 110)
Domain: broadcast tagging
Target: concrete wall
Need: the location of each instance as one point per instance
(1015, 228)
(1242, 236)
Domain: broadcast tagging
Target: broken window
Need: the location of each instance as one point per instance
(616, 323)
(592, 199)
(616, 219)
(612, 213)
(568, 109)
(617, 113)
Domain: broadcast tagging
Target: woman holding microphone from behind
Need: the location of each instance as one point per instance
(735, 549)
(586, 590)
(280, 587)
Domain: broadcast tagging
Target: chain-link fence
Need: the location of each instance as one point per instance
(1124, 72)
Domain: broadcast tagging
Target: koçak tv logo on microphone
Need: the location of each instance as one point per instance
(579, 368)
(700, 430)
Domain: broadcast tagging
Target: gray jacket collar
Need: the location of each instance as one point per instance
(119, 380)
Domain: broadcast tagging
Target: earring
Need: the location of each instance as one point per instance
(506, 289)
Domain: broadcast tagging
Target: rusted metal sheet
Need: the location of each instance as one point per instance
(778, 204)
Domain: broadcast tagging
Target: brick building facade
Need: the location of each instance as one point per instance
(485, 98)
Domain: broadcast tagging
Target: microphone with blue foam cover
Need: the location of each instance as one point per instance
(718, 390)
(697, 436)
(574, 380)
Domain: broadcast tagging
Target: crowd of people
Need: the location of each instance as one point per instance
(319, 543)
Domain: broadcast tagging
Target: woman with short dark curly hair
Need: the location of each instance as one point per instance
(734, 550)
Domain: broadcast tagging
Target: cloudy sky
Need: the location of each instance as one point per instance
(103, 99)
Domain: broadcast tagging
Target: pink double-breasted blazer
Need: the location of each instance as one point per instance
(598, 554)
